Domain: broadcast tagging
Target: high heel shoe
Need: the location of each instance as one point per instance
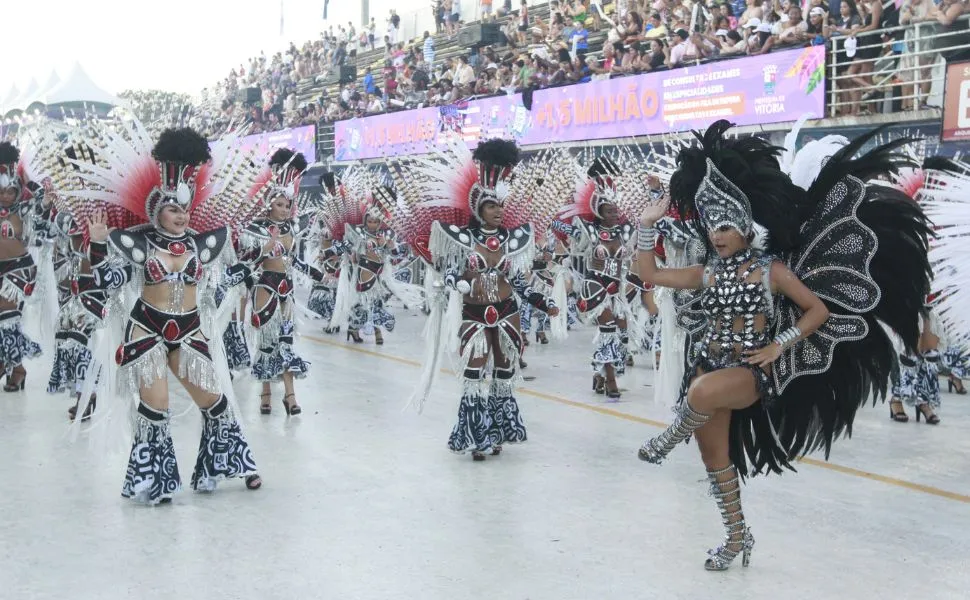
(599, 384)
(737, 538)
(899, 416)
(931, 418)
(378, 337)
(541, 337)
(477, 456)
(16, 386)
(952, 383)
(265, 408)
(353, 335)
(613, 394)
(291, 408)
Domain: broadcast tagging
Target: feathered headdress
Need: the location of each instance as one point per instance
(494, 161)
(737, 183)
(619, 178)
(140, 178)
(182, 156)
(11, 173)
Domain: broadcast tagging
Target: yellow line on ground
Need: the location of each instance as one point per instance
(909, 485)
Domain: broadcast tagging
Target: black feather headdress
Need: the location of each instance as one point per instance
(751, 166)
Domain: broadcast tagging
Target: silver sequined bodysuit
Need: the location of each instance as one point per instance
(737, 308)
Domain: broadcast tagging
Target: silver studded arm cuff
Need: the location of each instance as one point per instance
(786, 338)
(646, 239)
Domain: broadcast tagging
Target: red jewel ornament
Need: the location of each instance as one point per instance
(581, 305)
(491, 315)
(273, 230)
(492, 243)
(6, 230)
(605, 236)
(176, 248)
(283, 288)
(28, 289)
(171, 330)
(4, 212)
(120, 354)
(75, 288)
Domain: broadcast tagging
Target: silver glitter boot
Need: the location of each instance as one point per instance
(726, 489)
(687, 422)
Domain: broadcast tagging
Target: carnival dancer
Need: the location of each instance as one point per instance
(323, 295)
(174, 189)
(81, 303)
(548, 279)
(18, 197)
(369, 246)
(944, 196)
(602, 236)
(480, 210)
(765, 322)
(274, 248)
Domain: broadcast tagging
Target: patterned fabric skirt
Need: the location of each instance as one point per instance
(918, 382)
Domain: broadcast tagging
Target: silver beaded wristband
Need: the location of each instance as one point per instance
(786, 338)
(646, 239)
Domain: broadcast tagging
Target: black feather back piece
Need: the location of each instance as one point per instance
(183, 146)
(8, 153)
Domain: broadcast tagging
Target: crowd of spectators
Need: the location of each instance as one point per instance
(632, 36)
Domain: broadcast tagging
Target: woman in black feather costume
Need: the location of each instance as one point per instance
(840, 256)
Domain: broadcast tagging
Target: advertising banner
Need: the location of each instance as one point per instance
(777, 87)
(956, 103)
(300, 139)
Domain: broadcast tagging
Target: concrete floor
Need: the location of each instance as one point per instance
(362, 500)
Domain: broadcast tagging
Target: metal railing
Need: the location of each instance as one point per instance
(906, 72)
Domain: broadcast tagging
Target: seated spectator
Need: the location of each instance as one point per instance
(688, 48)
(796, 30)
(655, 28)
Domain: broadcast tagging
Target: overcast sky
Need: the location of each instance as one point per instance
(176, 45)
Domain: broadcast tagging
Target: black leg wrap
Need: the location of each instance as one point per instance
(223, 450)
(153, 474)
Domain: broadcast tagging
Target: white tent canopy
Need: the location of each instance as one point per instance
(20, 102)
(41, 95)
(78, 87)
(6, 103)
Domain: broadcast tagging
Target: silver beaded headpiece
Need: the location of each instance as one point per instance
(721, 203)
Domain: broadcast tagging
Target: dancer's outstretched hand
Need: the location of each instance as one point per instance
(98, 226)
(654, 211)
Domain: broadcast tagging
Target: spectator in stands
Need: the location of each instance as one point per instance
(796, 30)
(523, 21)
(633, 29)
(726, 10)
(918, 67)
(688, 48)
(760, 41)
(580, 38)
(655, 27)
(486, 6)
(464, 73)
(817, 30)
(429, 51)
(753, 11)
(455, 18)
